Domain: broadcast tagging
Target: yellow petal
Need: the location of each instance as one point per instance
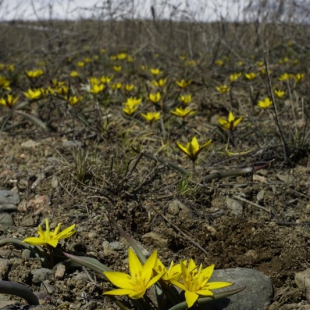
(34, 241)
(183, 148)
(135, 266)
(195, 145)
(191, 298)
(237, 121)
(231, 117)
(120, 279)
(217, 285)
(66, 233)
(147, 269)
(120, 292)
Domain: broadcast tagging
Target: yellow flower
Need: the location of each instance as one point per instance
(195, 282)
(80, 64)
(9, 101)
(121, 56)
(240, 63)
(130, 109)
(235, 76)
(74, 74)
(129, 87)
(183, 83)
(172, 273)
(35, 73)
(219, 62)
(186, 99)
(4, 83)
(265, 104)
(96, 88)
(62, 90)
(230, 123)
(299, 77)
(35, 93)
(250, 76)
(73, 100)
(279, 93)
(117, 85)
(143, 67)
(102, 50)
(155, 71)
(129, 58)
(182, 112)
(106, 79)
(140, 279)
(159, 83)
(117, 68)
(48, 237)
(155, 97)
(133, 101)
(259, 64)
(284, 77)
(223, 89)
(87, 59)
(192, 149)
(151, 116)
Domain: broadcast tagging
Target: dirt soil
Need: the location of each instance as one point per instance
(270, 232)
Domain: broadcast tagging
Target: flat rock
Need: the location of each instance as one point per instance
(257, 295)
(8, 198)
(302, 279)
(6, 220)
(39, 275)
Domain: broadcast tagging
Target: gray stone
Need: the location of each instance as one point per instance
(60, 271)
(155, 239)
(8, 197)
(302, 279)
(46, 286)
(257, 295)
(6, 220)
(115, 245)
(4, 267)
(177, 207)
(39, 275)
(235, 206)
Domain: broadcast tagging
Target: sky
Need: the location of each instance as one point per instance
(198, 10)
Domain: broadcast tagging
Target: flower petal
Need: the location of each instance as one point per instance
(34, 241)
(237, 121)
(120, 292)
(135, 266)
(183, 149)
(66, 233)
(231, 117)
(217, 285)
(147, 269)
(191, 298)
(120, 279)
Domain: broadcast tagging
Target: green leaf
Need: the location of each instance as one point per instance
(33, 118)
(201, 301)
(90, 263)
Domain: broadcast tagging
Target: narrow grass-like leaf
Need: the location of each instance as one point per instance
(33, 118)
(90, 263)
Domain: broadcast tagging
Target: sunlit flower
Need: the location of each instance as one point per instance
(155, 71)
(279, 93)
(186, 99)
(192, 148)
(240, 63)
(121, 56)
(48, 237)
(140, 279)
(143, 67)
(130, 109)
(299, 77)
(159, 83)
(130, 59)
(96, 88)
(235, 76)
(102, 50)
(172, 273)
(183, 83)
(74, 74)
(73, 100)
(155, 97)
(219, 62)
(129, 87)
(265, 104)
(259, 64)
(4, 83)
(117, 68)
(133, 101)
(9, 101)
(284, 77)
(106, 79)
(230, 123)
(195, 282)
(182, 112)
(87, 60)
(151, 116)
(35, 73)
(117, 85)
(250, 76)
(80, 64)
(34, 93)
(223, 89)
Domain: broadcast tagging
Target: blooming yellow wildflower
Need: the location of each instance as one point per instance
(230, 123)
(117, 68)
(265, 104)
(159, 83)
(195, 282)
(34, 93)
(155, 71)
(73, 100)
(9, 101)
(279, 93)
(219, 62)
(117, 85)
(250, 76)
(235, 76)
(155, 97)
(183, 83)
(299, 77)
(130, 109)
(182, 112)
(186, 99)
(284, 77)
(129, 87)
(74, 74)
(140, 279)
(96, 88)
(80, 64)
(121, 56)
(223, 89)
(192, 148)
(151, 116)
(4, 83)
(34, 73)
(48, 237)
(133, 101)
